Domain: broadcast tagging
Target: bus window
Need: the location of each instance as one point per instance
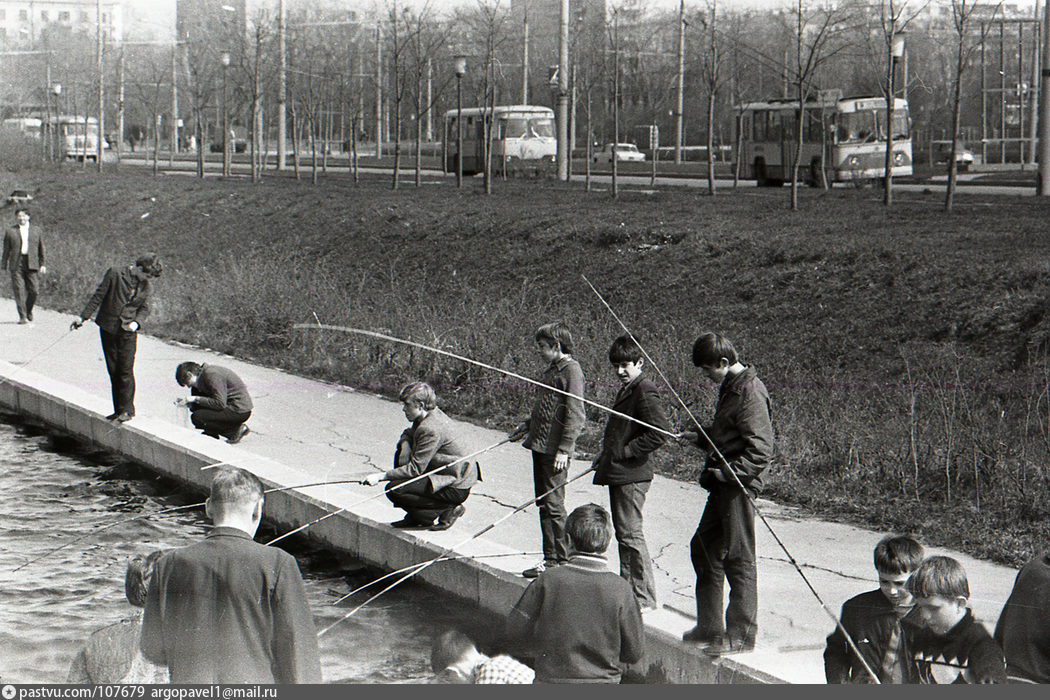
(814, 128)
(856, 126)
(773, 131)
(512, 128)
(745, 127)
(760, 126)
(542, 127)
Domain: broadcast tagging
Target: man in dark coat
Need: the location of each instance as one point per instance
(228, 609)
(219, 403)
(122, 300)
(23, 257)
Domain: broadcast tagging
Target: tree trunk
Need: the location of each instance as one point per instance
(711, 142)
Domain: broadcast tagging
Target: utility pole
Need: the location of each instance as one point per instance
(1044, 109)
(430, 100)
(525, 59)
(282, 89)
(101, 89)
(678, 116)
(379, 92)
(120, 104)
(173, 146)
(563, 92)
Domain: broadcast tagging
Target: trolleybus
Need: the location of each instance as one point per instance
(523, 134)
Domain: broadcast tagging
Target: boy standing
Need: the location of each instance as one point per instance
(1024, 624)
(723, 547)
(551, 432)
(879, 621)
(623, 464)
(582, 619)
(953, 647)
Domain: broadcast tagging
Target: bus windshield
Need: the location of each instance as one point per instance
(523, 127)
(870, 125)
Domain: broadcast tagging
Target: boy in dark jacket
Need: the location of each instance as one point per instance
(952, 647)
(879, 621)
(1024, 624)
(723, 548)
(623, 464)
(219, 403)
(581, 619)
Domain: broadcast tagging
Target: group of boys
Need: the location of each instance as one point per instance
(918, 626)
(739, 443)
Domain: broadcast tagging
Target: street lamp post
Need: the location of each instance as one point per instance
(460, 66)
(225, 127)
(896, 52)
(52, 129)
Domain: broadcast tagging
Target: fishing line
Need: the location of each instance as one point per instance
(420, 567)
(27, 362)
(736, 479)
(478, 363)
(453, 557)
(392, 488)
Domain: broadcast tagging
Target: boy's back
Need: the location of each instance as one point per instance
(582, 620)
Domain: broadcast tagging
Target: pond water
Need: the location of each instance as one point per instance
(53, 490)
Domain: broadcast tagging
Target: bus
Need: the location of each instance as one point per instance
(523, 136)
(846, 137)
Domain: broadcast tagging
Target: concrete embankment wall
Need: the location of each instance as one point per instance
(179, 453)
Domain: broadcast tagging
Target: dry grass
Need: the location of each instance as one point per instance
(904, 349)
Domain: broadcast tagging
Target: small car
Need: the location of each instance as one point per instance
(625, 152)
(963, 155)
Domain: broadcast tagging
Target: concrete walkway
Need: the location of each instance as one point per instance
(328, 432)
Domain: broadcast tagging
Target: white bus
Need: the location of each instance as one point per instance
(75, 137)
(523, 134)
(846, 137)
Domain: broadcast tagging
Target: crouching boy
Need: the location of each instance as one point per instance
(952, 647)
(581, 619)
(879, 621)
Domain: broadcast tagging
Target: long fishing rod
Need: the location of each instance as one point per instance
(27, 362)
(420, 567)
(736, 479)
(453, 557)
(386, 491)
(478, 363)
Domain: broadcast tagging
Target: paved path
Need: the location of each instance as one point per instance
(334, 432)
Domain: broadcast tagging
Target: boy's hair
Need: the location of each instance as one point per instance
(234, 489)
(624, 349)
(898, 554)
(589, 529)
(184, 370)
(556, 333)
(710, 348)
(137, 576)
(149, 264)
(448, 648)
(19, 210)
(939, 576)
(420, 393)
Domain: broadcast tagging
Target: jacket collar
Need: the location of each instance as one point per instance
(590, 562)
(736, 383)
(224, 531)
(561, 363)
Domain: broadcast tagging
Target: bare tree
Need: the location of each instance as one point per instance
(714, 78)
(426, 37)
(201, 64)
(962, 12)
(150, 86)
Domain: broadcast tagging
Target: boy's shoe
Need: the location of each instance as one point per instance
(123, 417)
(538, 569)
(725, 646)
(448, 517)
(111, 416)
(698, 636)
(407, 522)
(242, 430)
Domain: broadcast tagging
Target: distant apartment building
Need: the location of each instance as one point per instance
(937, 15)
(23, 22)
(211, 20)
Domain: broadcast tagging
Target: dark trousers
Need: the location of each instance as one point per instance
(218, 422)
(626, 502)
(23, 285)
(420, 504)
(551, 506)
(119, 350)
(723, 549)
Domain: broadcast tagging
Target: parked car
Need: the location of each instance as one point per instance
(963, 155)
(625, 152)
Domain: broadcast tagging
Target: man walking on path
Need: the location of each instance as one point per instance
(219, 403)
(723, 547)
(122, 300)
(228, 609)
(24, 257)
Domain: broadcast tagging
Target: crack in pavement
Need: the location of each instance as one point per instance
(814, 567)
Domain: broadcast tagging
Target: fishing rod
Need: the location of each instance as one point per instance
(27, 362)
(478, 363)
(453, 557)
(386, 491)
(747, 495)
(420, 567)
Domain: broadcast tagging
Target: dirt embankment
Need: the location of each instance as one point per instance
(905, 349)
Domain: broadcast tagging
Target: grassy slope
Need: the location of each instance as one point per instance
(897, 343)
